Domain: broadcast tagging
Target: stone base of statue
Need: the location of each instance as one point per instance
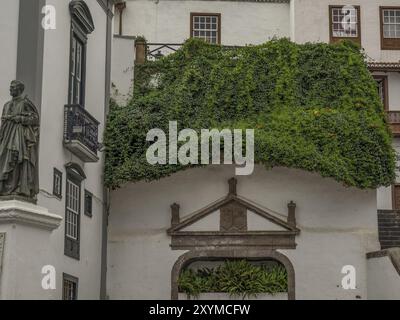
(18, 198)
(25, 248)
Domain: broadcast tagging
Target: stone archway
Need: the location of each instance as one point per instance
(251, 254)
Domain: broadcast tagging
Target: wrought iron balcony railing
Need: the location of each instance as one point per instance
(394, 122)
(155, 51)
(81, 133)
(158, 50)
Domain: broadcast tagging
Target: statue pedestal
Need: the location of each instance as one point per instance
(25, 237)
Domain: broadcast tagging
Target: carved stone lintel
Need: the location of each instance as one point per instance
(233, 218)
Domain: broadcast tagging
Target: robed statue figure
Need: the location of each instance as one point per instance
(19, 139)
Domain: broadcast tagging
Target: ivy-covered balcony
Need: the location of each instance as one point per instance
(312, 106)
(81, 133)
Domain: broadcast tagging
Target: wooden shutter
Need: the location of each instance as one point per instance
(396, 197)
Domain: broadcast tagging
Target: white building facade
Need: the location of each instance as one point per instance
(61, 51)
(134, 242)
(337, 226)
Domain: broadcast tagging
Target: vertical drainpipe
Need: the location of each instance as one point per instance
(120, 6)
(106, 194)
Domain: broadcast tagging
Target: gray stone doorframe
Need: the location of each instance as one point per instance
(231, 253)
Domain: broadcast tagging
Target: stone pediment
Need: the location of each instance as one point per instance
(233, 221)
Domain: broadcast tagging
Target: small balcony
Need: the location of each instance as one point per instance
(81, 133)
(394, 122)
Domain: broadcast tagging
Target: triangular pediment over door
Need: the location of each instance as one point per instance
(233, 222)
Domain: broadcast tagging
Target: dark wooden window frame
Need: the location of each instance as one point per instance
(79, 35)
(394, 196)
(388, 43)
(384, 78)
(72, 246)
(75, 280)
(192, 14)
(57, 174)
(81, 26)
(88, 211)
(333, 39)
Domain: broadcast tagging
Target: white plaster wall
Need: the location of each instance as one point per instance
(53, 154)
(338, 226)
(26, 251)
(384, 198)
(9, 15)
(384, 195)
(383, 279)
(311, 24)
(394, 90)
(122, 68)
(241, 22)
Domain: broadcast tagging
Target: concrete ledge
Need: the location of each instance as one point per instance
(392, 253)
(14, 211)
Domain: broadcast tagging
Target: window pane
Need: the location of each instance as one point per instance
(72, 210)
(207, 29)
(391, 23)
(344, 22)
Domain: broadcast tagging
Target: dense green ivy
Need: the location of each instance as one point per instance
(313, 107)
(238, 278)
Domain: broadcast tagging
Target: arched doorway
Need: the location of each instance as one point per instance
(219, 254)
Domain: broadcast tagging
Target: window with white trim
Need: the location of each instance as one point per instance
(390, 28)
(391, 23)
(75, 176)
(72, 210)
(206, 26)
(344, 21)
(70, 287)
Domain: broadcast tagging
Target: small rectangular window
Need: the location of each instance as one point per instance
(70, 287)
(57, 183)
(345, 23)
(72, 217)
(88, 203)
(206, 26)
(382, 87)
(390, 28)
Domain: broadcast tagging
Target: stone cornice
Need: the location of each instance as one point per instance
(392, 253)
(18, 212)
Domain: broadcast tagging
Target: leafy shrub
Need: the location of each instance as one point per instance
(237, 278)
(313, 106)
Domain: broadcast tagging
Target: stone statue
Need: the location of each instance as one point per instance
(19, 140)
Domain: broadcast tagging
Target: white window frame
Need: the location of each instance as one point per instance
(338, 14)
(202, 29)
(72, 210)
(391, 21)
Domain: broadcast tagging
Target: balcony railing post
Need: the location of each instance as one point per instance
(141, 51)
